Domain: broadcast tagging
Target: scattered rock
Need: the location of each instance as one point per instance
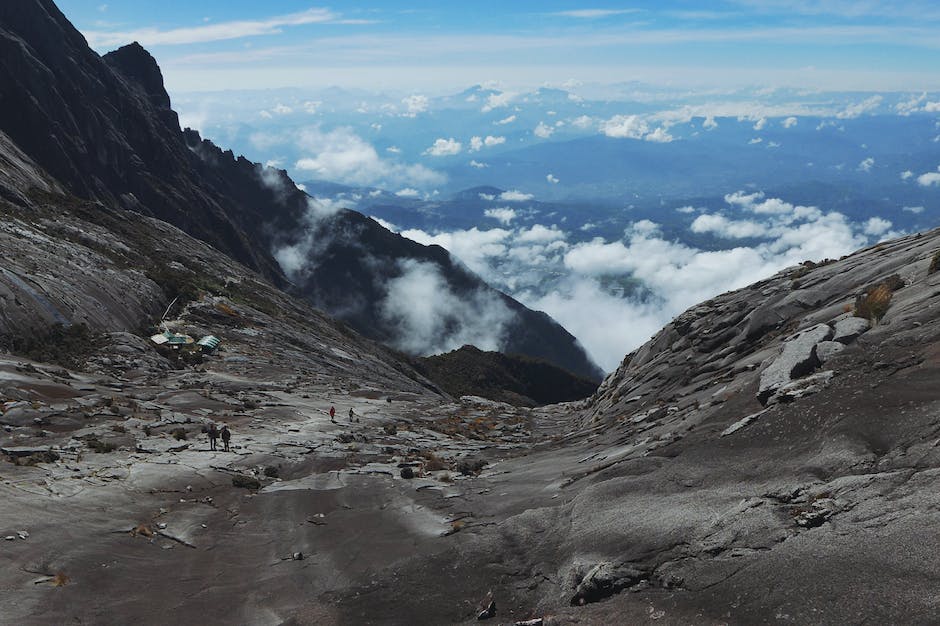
(849, 329)
(803, 387)
(797, 359)
(817, 514)
(470, 467)
(407, 473)
(825, 350)
(487, 608)
(604, 580)
(741, 423)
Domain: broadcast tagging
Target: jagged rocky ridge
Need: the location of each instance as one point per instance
(103, 128)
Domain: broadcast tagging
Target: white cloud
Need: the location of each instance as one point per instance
(497, 100)
(866, 164)
(906, 107)
(581, 283)
(709, 123)
(789, 122)
(760, 124)
(342, 156)
(855, 110)
(506, 120)
(473, 246)
(478, 164)
(385, 225)
(311, 106)
(913, 209)
(393, 149)
(583, 122)
(430, 318)
(539, 233)
(552, 179)
(907, 174)
(414, 105)
(876, 226)
(930, 178)
(756, 140)
(514, 196)
(607, 326)
(408, 192)
(593, 14)
(296, 258)
(212, 32)
(502, 214)
(478, 143)
(444, 147)
(723, 227)
(282, 109)
(487, 196)
(660, 135)
(624, 127)
(543, 130)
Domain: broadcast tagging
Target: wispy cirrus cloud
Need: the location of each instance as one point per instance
(593, 14)
(221, 31)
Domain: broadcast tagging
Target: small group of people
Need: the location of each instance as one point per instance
(215, 433)
(352, 415)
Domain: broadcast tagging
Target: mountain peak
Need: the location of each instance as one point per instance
(135, 63)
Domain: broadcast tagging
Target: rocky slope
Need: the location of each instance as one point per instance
(512, 379)
(793, 482)
(103, 128)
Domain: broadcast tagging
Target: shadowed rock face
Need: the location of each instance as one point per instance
(104, 129)
(515, 380)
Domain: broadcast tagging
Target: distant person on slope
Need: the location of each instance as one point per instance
(350, 414)
(226, 436)
(333, 414)
(213, 433)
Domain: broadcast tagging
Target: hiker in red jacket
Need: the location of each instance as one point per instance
(332, 414)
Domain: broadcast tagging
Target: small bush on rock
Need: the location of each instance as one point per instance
(934, 264)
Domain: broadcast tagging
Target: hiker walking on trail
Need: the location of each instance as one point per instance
(333, 414)
(350, 414)
(213, 433)
(226, 436)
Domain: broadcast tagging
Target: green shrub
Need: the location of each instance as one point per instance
(244, 481)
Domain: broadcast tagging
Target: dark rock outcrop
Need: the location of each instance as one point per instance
(517, 380)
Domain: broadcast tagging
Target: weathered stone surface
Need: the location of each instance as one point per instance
(801, 387)
(848, 330)
(604, 580)
(797, 359)
(825, 350)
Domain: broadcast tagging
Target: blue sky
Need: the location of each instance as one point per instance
(864, 45)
